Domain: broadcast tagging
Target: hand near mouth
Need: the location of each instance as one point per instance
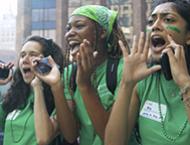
(51, 78)
(135, 64)
(177, 60)
(86, 63)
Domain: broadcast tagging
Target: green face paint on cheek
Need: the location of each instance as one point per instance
(173, 28)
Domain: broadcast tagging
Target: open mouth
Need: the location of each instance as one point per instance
(158, 41)
(26, 70)
(74, 46)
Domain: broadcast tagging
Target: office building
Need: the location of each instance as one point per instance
(48, 18)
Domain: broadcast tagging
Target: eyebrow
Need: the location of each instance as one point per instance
(31, 52)
(76, 21)
(163, 14)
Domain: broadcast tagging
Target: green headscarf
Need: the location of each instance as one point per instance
(100, 14)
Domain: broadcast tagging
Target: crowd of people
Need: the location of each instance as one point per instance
(70, 95)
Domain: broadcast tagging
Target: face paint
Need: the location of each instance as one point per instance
(173, 28)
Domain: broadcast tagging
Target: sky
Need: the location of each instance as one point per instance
(8, 5)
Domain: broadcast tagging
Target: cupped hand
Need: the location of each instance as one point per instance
(85, 63)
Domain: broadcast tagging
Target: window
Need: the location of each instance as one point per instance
(43, 15)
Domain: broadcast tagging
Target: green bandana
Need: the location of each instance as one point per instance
(100, 14)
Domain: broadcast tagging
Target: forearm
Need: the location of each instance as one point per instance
(66, 118)
(98, 115)
(117, 127)
(43, 125)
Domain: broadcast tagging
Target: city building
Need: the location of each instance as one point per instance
(7, 36)
(7, 31)
(48, 18)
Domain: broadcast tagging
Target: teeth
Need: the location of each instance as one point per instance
(71, 43)
(74, 46)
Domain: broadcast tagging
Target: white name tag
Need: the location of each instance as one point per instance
(151, 111)
(13, 115)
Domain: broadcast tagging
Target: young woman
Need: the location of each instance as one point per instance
(19, 107)
(92, 37)
(158, 105)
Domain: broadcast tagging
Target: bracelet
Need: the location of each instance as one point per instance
(184, 90)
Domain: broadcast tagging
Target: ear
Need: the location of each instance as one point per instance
(103, 34)
(188, 38)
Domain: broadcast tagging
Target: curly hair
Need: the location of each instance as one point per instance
(19, 91)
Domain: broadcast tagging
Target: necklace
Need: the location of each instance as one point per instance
(22, 134)
(181, 129)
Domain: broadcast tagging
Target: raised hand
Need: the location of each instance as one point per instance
(135, 63)
(85, 63)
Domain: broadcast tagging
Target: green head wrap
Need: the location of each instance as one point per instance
(100, 14)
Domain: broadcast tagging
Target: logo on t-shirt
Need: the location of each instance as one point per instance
(151, 111)
(13, 115)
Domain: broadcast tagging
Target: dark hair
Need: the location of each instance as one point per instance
(19, 91)
(116, 35)
(111, 45)
(182, 7)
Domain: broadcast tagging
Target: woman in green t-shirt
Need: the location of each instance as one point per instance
(92, 35)
(159, 102)
(19, 107)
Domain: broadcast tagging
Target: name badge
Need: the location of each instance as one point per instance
(151, 111)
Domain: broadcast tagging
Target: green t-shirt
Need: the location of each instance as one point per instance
(160, 98)
(88, 135)
(18, 125)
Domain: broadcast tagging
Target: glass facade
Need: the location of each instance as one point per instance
(124, 9)
(44, 18)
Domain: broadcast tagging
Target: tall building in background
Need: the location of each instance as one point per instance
(35, 17)
(40, 17)
(7, 36)
(43, 18)
(48, 18)
(7, 31)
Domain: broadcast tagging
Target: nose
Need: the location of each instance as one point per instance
(156, 26)
(26, 59)
(70, 33)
